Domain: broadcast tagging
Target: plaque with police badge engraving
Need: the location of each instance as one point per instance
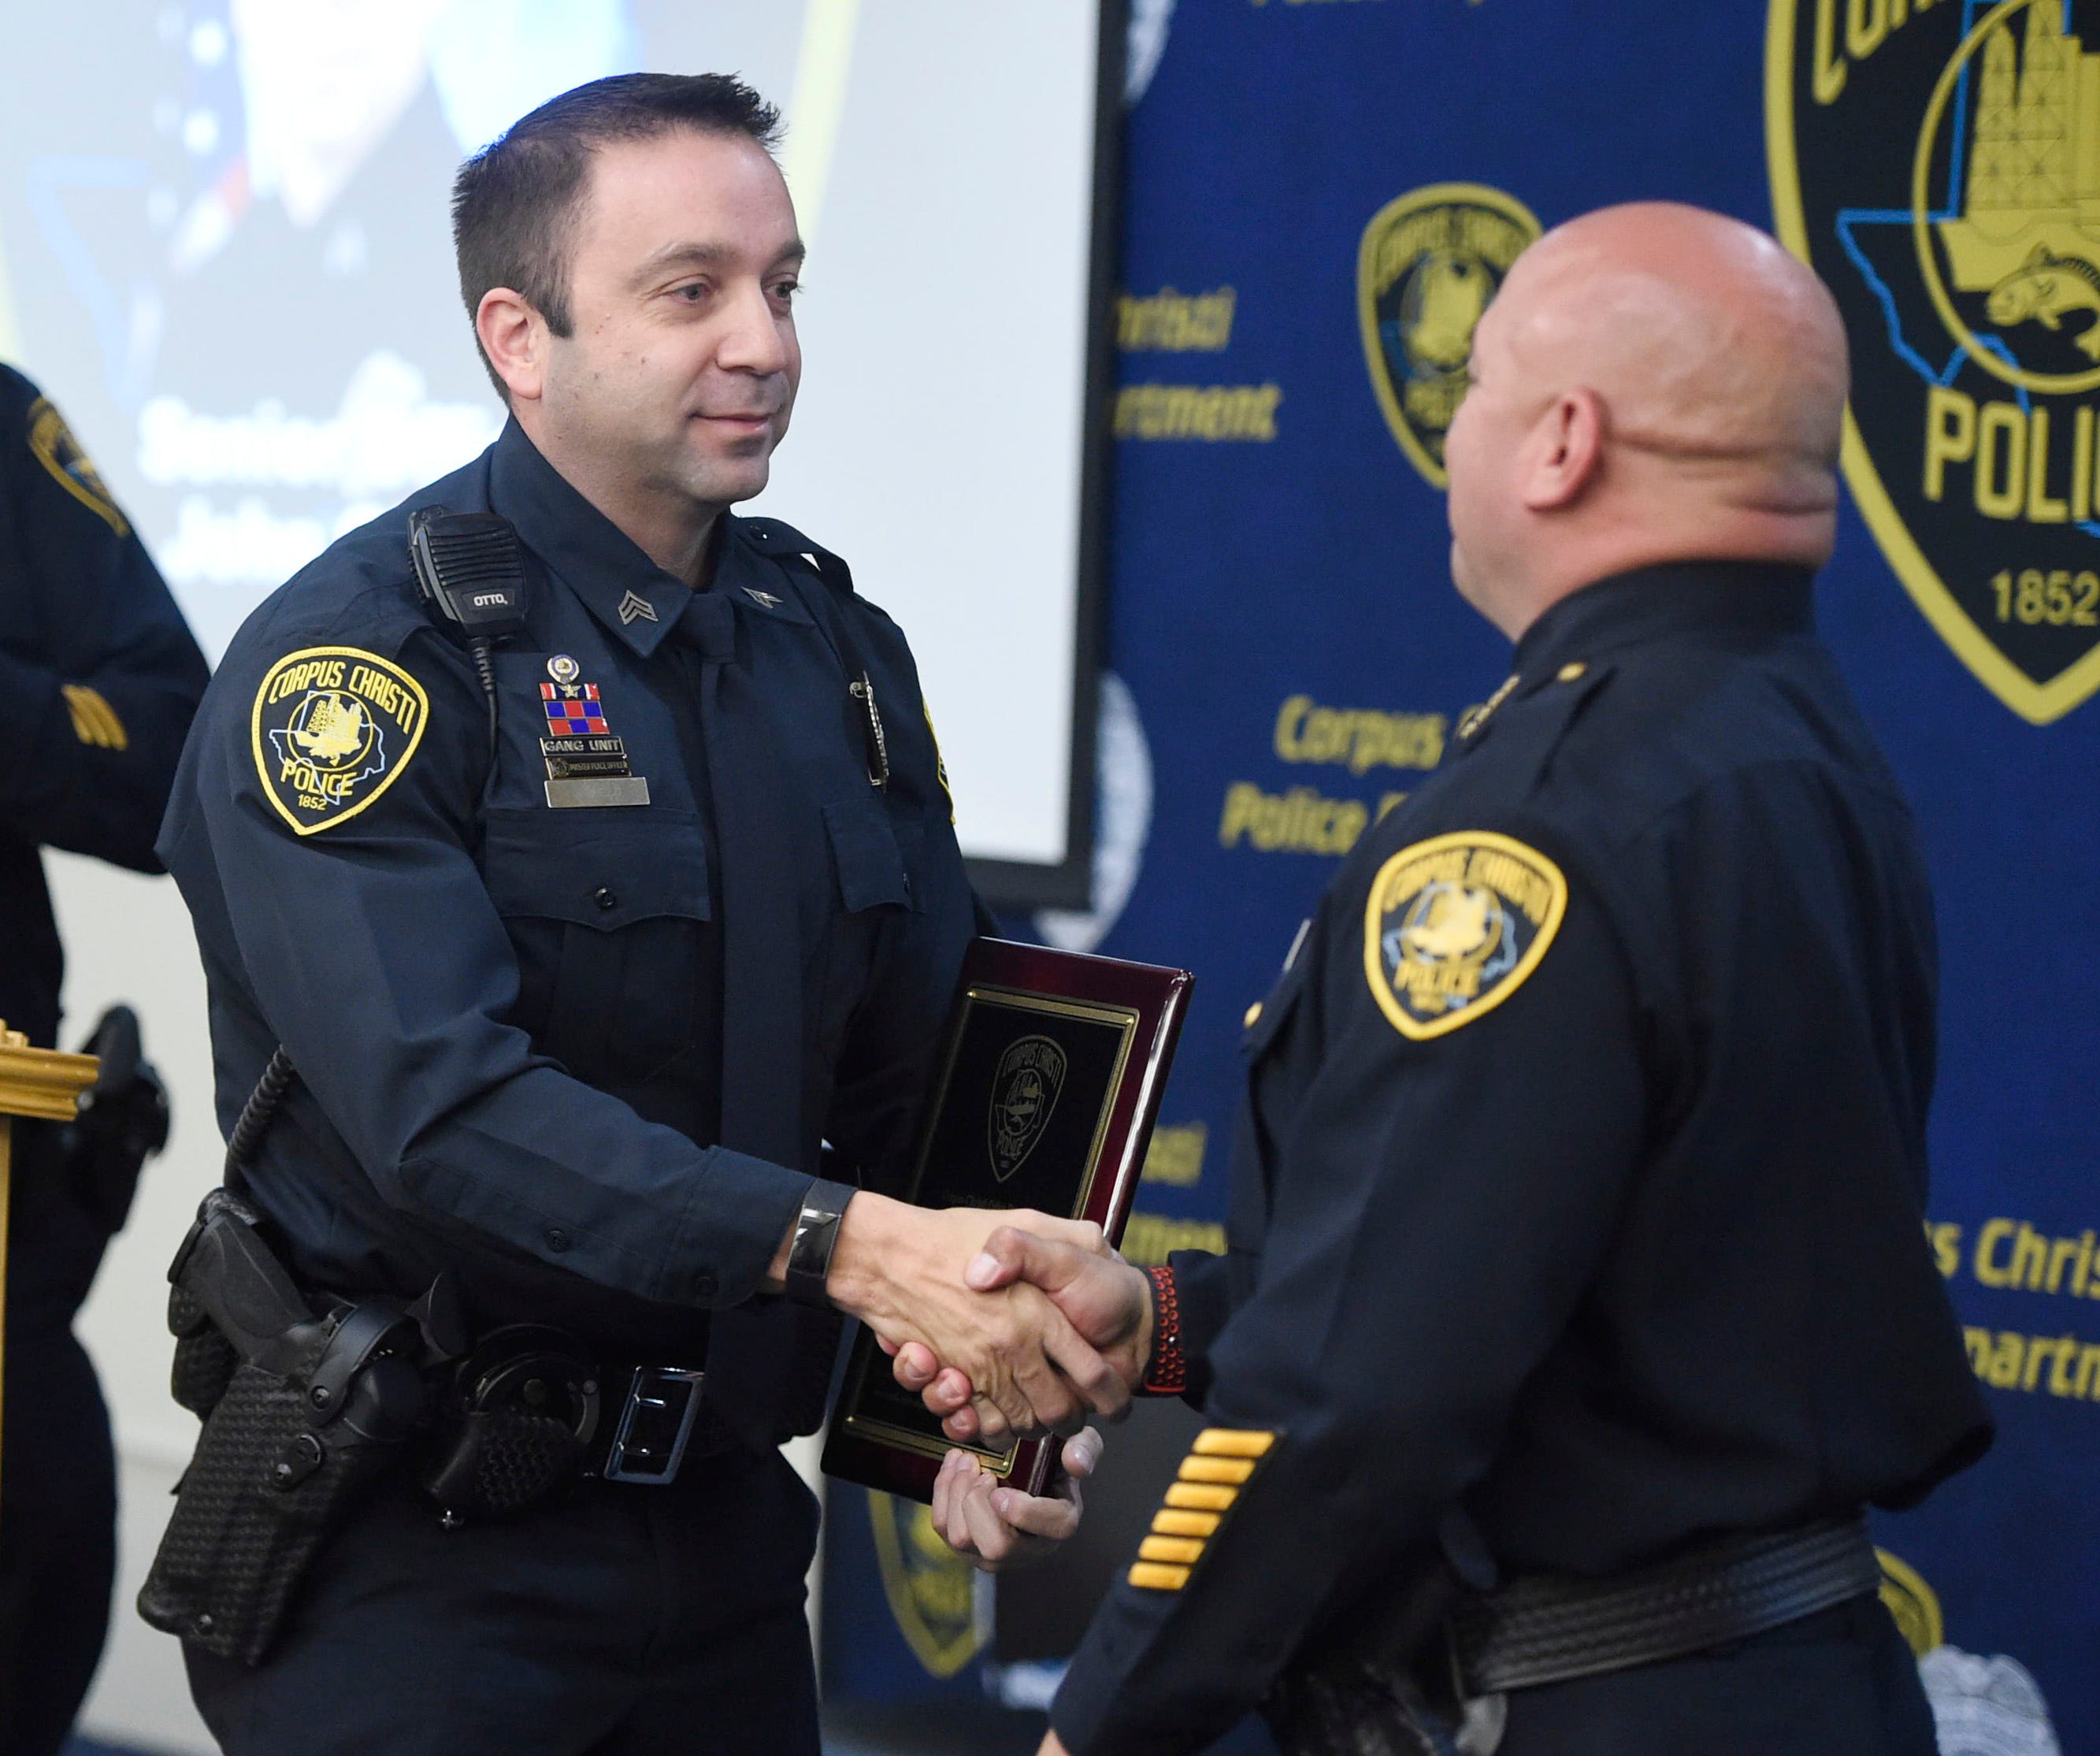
(1048, 1087)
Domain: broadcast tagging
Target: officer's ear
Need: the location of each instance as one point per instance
(514, 338)
(1562, 452)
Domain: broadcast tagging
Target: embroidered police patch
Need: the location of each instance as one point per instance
(333, 727)
(1455, 925)
(53, 445)
(940, 762)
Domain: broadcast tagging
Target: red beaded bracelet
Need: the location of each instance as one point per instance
(1166, 1368)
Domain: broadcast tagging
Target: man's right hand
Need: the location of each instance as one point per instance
(902, 1270)
(1108, 1303)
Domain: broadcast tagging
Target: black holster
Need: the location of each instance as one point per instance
(302, 1412)
(1383, 1687)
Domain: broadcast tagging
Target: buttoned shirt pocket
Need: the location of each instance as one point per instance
(865, 850)
(874, 889)
(610, 916)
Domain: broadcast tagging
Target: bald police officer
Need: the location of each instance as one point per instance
(1578, 1303)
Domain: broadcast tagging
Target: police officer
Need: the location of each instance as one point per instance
(101, 677)
(1577, 1303)
(573, 945)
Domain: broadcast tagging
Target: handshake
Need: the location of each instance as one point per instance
(1004, 1329)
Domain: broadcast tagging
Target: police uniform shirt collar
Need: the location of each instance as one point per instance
(746, 574)
(635, 599)
(1742, 598)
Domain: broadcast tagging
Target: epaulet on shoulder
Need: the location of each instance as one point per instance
(366, 609)
(783, 542)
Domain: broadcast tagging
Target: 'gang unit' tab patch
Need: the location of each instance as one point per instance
(333, 727)
(1454, 926)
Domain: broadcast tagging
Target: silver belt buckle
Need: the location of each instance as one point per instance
(656, 1423)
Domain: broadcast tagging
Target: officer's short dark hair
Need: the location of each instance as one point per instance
(515, 202)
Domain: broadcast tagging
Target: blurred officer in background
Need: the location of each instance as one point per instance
(100, 676)
(1578, 1303)
(562, 885)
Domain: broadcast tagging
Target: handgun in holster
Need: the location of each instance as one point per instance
(302, 1411)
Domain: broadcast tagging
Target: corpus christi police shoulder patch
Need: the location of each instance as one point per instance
(1454, 926)
(52, 444)
(333, 727)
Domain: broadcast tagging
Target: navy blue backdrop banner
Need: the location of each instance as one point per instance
(1322, 195)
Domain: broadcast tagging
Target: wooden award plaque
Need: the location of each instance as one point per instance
(1050, 1082)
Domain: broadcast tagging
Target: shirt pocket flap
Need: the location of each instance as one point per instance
(604, 871)
(871, 864)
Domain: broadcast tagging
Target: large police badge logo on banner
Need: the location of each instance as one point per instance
(1938, 165)
(1429, 262)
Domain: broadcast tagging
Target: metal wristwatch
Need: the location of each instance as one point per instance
(816, 1236)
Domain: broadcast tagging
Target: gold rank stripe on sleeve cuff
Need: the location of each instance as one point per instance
(1208, 1482)
(1233, 1470)
(1224, 1442)
(1201, 1497)
(95, 722)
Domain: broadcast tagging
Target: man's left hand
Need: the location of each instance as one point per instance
(994, 1527)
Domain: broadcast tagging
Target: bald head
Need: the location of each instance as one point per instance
(1654, 382)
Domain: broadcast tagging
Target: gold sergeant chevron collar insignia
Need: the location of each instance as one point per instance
(1939, 168)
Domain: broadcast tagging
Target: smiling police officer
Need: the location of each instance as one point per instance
(562, 885)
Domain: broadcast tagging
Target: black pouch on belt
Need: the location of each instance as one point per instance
(302, 1411)
(514, 1432)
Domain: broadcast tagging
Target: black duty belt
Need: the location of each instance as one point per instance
(531, 1409)
(1551, 1628)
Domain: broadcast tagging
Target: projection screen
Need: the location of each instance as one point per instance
(224, 252)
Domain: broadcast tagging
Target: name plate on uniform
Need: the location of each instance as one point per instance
(1049, 1083)
(567, 793)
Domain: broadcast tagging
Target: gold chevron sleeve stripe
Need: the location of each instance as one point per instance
(98, 708)
(1200, 1497)
(1232, 1470)
(1227, 1442)
(95, 722)
(1209, 1481)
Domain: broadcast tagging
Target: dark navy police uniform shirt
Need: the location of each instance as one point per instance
(510, 1020)
(1580, 1183)
(100, 676)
